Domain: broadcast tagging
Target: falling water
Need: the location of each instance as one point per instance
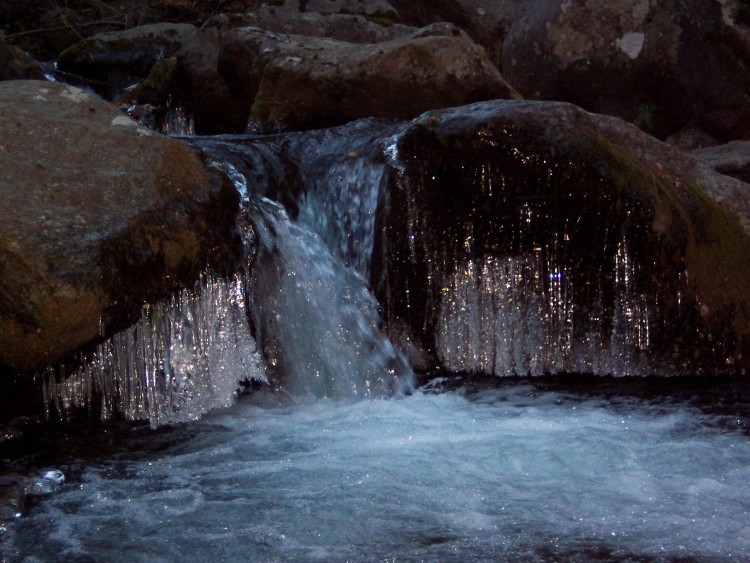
(316, 321)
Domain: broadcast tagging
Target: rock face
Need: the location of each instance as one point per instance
(204, 92)
(529, 237)
(732, 159)
(661, 65)
(295, 82)
(97, 215)
(486, 21)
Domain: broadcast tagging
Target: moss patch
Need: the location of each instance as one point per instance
(715, 246)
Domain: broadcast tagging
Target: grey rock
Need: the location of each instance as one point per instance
(662, 65)
(296, 82)
(732, 159)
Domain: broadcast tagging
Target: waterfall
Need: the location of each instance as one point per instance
(316, 320)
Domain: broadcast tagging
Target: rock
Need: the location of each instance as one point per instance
(371, 8)
(204, 93)
(533, 237)
(732, 159)
(97, 215)
(354, 28)
(128, 54)
(486, 21)
(296, 82)
(690, 138)
(662, 65)
(16, 64)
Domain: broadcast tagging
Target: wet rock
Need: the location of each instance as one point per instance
(97, 215)
(296, 82)
(732, 159)
(531, 237)
(117, 58)
(662, 65)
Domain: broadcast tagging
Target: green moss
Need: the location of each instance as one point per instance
(161, 74)
(645, 118)
(380, 20)
(715, 246)
(74, 51)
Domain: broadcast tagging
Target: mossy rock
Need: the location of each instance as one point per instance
(627, 265)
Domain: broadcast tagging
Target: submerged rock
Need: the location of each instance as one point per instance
(97, 214)
(530, 237)
(296, 82)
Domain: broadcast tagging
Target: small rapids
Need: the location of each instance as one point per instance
(511, 472)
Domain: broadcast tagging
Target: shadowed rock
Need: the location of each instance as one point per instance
(126, 55)
(531, 237)
(662, 65)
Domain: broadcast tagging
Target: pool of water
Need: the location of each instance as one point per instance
(518, 472)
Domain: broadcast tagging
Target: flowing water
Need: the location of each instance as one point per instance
(512, 472)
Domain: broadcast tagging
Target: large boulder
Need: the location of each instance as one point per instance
(662, 65)
(531, 237)
(205, 94)
(296, 82)
(97, 215)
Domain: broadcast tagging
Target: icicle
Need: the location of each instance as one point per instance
(184, 357)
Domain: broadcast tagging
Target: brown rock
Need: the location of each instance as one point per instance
(97, 214)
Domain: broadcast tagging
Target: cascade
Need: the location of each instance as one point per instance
(316, 320)
(317, 324)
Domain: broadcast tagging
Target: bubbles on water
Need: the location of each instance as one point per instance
(48, 483)
(509, 473)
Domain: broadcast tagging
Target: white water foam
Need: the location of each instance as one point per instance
(511, 475)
